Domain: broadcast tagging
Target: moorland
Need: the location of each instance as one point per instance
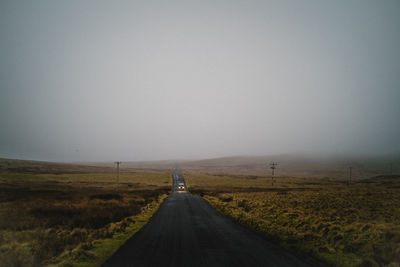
(69, 214)
(78, 215)
(312, 208)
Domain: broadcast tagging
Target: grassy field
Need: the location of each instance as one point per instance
(71, 215)
(75, 215)
(327, 219)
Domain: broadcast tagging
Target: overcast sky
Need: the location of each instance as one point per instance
(146, 80)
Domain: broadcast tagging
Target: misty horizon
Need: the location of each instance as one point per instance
(99, 81)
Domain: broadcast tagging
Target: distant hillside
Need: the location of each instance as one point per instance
(30, 166)
(289, 165)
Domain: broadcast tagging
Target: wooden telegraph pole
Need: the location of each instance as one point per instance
(350, 169)
(118, 163)
(273, 167)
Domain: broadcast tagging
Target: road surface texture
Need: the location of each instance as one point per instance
(187, 231)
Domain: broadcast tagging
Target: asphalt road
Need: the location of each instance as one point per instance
(187, 231)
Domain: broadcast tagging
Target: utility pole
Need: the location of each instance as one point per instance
(350, 169)
(273, 167)
(117, 162)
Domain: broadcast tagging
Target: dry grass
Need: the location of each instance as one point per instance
(47, 211)
(356, 225)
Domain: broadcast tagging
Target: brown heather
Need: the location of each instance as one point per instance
(45, 215)
(337, 224)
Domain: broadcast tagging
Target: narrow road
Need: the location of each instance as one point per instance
(187, 231)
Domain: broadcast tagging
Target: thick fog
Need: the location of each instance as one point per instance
(148, 80)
